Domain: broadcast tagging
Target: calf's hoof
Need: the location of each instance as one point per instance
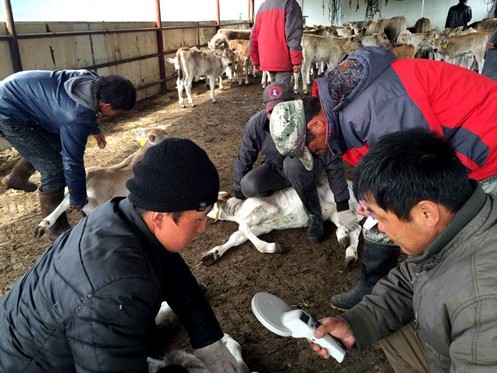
(344, 242)
(350, 262)
(209, 259)
(40, 231)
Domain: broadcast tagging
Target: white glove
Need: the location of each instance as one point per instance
(348, 220)
(217, 358)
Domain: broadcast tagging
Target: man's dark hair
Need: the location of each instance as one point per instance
(117, 91)
(176, 215)
(406, 167)
(312, 106)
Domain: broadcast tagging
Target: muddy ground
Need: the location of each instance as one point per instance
(305, 275)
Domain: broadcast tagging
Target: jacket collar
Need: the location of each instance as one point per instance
(152, 246)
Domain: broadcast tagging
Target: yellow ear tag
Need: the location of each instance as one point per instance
(216, 218)
(142, 141)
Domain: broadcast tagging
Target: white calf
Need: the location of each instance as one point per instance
(281, 210)
(192, 62)
(104, 183)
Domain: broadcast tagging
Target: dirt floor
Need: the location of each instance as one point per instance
(306, 275)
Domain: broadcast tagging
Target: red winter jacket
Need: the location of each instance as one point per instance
(276, 36)
(394, 95)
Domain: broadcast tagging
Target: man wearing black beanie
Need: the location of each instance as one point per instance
(90, 302)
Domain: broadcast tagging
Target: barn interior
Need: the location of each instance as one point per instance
(306, 274)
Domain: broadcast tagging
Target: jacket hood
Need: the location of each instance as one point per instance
(82, 90)
(348, 79)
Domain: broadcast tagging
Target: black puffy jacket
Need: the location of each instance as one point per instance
(89, 303)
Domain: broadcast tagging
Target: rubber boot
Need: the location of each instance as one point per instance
(18, 178)
(377, 261)
(310, 200)
(48, 202)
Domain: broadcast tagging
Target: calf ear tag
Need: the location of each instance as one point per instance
(142, 141)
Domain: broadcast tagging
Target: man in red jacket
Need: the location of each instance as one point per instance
(371, 94)
(275, 39)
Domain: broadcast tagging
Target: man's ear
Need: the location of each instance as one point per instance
(316, 123)
(158, 219)
(428, 212)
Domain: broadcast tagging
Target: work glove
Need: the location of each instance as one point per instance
(217, 358)
(348, 220)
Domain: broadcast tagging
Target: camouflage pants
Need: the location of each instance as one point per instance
(373, 235)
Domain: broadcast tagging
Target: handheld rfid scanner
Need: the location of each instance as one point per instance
(279, 318)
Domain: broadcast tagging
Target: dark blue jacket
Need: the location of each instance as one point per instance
(52, 100)
(90, 302)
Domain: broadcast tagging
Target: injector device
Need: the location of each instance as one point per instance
(279, 318)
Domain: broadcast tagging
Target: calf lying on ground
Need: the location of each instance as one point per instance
(281, 210)
(187, 360)
(104, 183)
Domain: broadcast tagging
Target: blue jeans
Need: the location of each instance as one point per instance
(41, 148)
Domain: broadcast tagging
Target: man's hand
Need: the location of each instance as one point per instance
(100, 139)
(297, 68)
(489, 45)
(348, 219)
(338, 328)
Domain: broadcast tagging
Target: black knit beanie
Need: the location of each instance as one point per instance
(174, 175)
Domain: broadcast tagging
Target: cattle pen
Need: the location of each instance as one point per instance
(305, 275)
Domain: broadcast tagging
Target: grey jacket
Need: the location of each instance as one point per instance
(450, 292)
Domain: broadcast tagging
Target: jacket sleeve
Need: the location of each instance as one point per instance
(468, 14)
(109, 332)
(385, 310)
(473, 331)
(73, 137)
(254, 43)
(449, 18)
(294, 28)
(249, 151)
(184, 296)
(335, 172)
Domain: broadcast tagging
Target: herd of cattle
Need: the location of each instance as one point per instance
(323, 46)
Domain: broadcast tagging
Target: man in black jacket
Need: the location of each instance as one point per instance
(459, 15)
(90, 302)
(277, 172)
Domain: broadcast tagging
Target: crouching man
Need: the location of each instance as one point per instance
(436, 310)
(90, 302)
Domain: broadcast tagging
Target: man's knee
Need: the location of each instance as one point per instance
(296, 173)
(251, 187)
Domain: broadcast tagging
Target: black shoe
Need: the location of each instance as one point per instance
(377, 261)
(346, 301)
